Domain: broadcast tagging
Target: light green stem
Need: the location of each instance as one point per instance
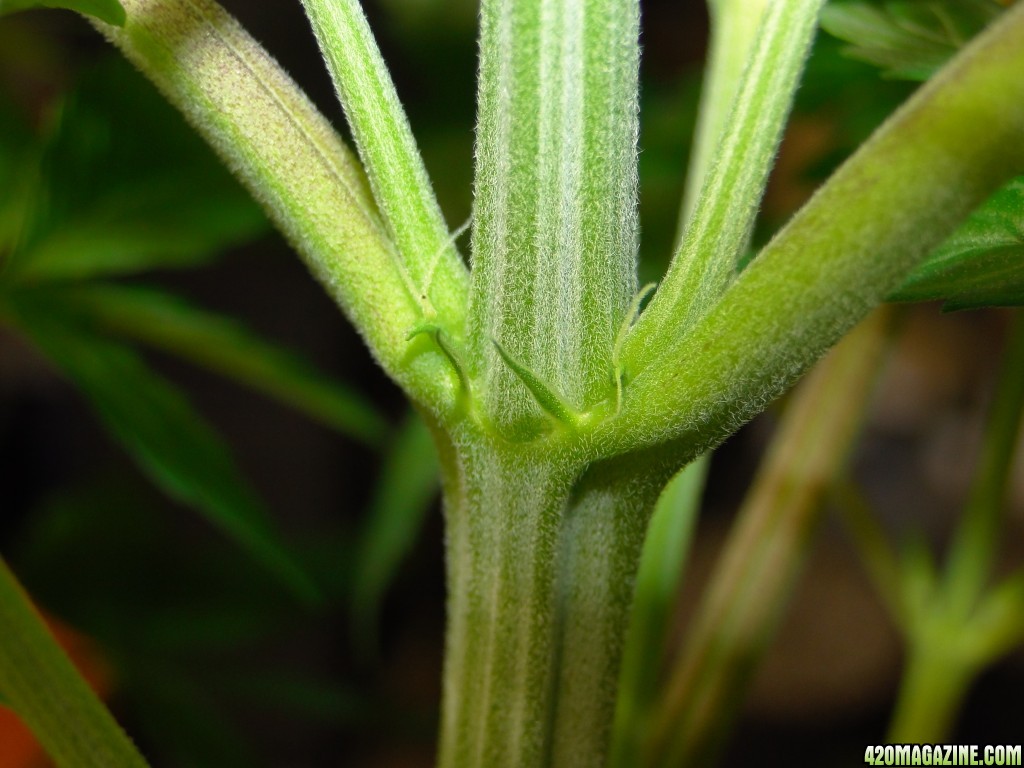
(541, 559)
(893, 201)
(393, 164)
(723, 217)
(39, 682)
(554, 212)
(289, 157)
(935, 680)
(734, 26)
(976, 541)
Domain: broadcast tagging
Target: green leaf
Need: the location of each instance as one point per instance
(224, 345)
(908, 39)
(109, 11)
(170, 442)
(554, 222)
(127, 186)
(15, 139)
(982, 262)
(18, 174)
(406, 486)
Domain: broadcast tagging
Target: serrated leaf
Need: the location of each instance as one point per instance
(127, 186)
(908, 39)
(405, 489)
(982, 262)
(224, 345)
(109, 11)
(157, 426)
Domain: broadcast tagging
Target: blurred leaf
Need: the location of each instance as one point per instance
(224, 345)
(185, 594)
(908, 39)
(109, 11)
(127, 186)
(982, 262)
(18, 173)
(157, 426)
(15, 138)
(405, 490)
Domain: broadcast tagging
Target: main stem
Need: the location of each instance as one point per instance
(541, 561)
(933, 688)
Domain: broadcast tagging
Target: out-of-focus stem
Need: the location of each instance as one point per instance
(970, 561)
(766, 549)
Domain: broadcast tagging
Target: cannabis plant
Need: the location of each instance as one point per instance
(562, 396)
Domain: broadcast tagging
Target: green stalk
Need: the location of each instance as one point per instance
(541, 558)
(935, 681)
(665, 552)
(39, 682)
(893, 201)
(554, 221)
(753, 580)
(291, 159)
(393, 163)
(733, 183)
(960, 625)
(975, 542)
(734, 25)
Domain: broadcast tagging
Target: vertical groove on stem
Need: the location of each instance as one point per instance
(542, 559)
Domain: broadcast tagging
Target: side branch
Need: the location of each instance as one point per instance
(951, 146)
(291, 159)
